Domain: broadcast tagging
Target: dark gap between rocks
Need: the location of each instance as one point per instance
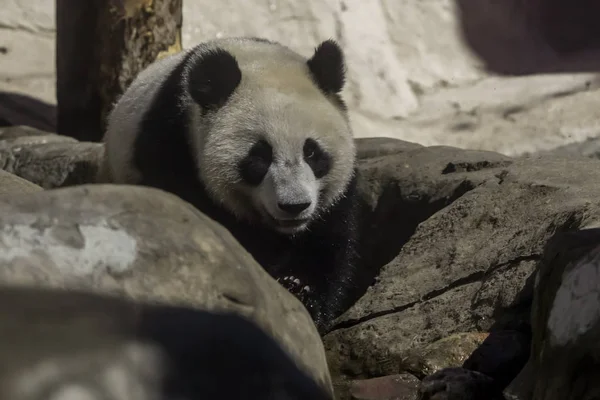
(395, 219)
(385, 231)
(353, 322)
(452, 168)
(428, 296)
(472, 278)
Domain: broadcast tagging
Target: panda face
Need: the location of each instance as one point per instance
(277, 158)
(272, 138)
(285, 185)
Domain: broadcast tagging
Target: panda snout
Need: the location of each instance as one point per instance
(293, 209)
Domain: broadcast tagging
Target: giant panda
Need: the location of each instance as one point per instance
(258, 138)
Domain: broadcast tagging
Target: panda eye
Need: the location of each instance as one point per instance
(317, 158)
(310, 149)
(262, 150)
(255, 165)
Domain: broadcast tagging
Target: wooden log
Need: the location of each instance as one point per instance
(101, 45)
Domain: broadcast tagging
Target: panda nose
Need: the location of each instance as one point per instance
(293, 208)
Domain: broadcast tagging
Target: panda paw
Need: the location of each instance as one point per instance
(295, 286)
(458, 384)
(319, 312)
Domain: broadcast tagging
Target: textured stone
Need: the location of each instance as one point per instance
(566, 319)
(47, 159)
(71, 345)
(12, 184)
(391, 387)
(459, 234)
(444, 353)
(148, 245)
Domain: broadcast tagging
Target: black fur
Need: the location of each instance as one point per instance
(323, 258)
(161, 150)
(327, 67)
(213, 78)
(319, 160)
(255, 166)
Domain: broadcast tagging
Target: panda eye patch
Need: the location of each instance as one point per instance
(263, 150)
(318, 159)
(255, 165)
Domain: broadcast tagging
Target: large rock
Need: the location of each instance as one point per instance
(565, 319)
(565, 322)
(47, 159)
(148, 245)
(393, 387)
(12, 184)
(71, 345)
(460, 233)
(586, 148)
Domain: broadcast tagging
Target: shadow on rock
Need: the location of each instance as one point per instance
(517, 37)
(552, 355)
(82, 345)
(20, 109)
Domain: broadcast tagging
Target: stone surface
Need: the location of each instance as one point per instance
(465, 263)
(67, 345)
(444, 353)
(484, 374)
(47, 159)
(566, 319)
(391, 387)
(381, 146)
(417, 71)
(27, 37)
(458, 384)
(587, 148)
(148, 245)
(12, 184)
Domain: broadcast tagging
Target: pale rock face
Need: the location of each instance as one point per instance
(575, 310)
(84, 247)
(389, 45)
(131, 374)
(414, 68)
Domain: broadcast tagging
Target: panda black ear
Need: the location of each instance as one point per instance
(327, 67)
(213, 77)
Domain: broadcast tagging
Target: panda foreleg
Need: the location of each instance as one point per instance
(340, 262)
(340, 287)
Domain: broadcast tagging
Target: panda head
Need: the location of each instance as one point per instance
(271, 134)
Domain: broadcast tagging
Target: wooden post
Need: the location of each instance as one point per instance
(101, 45)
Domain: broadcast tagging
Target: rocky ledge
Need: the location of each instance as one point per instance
(484, 269)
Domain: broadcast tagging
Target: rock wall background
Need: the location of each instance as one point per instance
(418, 71)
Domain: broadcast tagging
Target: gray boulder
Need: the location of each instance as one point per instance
(12, 184)
(450, 237)
(565, 322)
(47, 159)
(63, 345)
(149, 246)
(458, 234)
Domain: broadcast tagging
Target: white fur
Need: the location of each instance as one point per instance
(287, 184)
(126, 117)
(275, 98)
